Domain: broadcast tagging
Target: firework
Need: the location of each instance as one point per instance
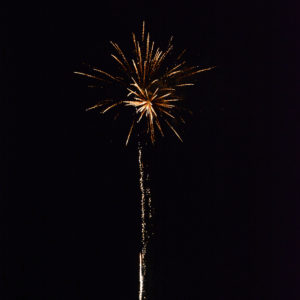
(151, 87)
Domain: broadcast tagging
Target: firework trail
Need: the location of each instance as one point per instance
(141, 277)
(146, 216)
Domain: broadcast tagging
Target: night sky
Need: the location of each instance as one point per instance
(70, 219)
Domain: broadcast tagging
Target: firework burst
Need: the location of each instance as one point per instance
(150, 85)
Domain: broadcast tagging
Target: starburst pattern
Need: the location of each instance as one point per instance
(152, 85)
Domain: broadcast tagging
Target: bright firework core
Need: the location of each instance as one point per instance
(151, 83)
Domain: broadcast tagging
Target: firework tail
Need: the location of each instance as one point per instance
(146, 216)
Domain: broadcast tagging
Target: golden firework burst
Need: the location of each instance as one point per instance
(152, 87)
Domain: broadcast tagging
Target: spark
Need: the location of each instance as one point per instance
(95, 106)
(147, 78)
(88, 75)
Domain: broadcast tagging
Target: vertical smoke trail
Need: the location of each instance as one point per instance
(146, 216)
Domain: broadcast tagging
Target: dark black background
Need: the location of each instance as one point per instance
(70, 215)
